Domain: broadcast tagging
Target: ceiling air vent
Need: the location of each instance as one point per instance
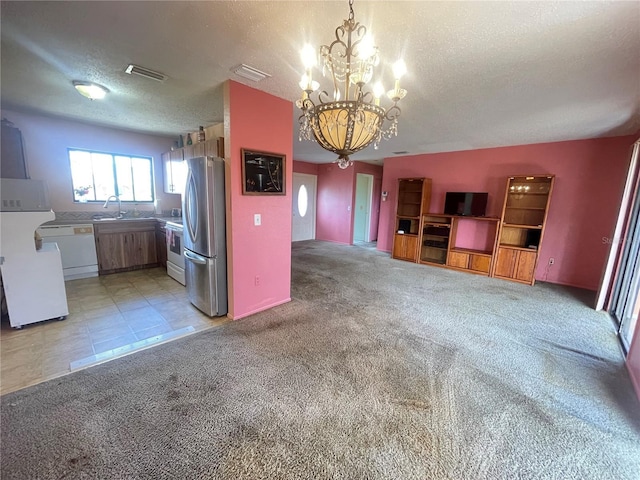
(249, 72)
(145, 72)
(403, 152)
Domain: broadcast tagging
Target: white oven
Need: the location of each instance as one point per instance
(175, 250)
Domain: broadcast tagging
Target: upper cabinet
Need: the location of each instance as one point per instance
(414, 197)
(174, 166)
(13, 160)
(174, 170)
(524, 217)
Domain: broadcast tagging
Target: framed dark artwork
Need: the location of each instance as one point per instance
(262, 173)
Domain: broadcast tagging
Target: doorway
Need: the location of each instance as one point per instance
(362, 213)
(624, 304)
(304, 207)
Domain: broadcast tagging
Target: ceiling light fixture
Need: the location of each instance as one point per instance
(90, 90)
(351, 119)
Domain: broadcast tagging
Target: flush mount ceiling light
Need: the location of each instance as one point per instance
(249, 72)
(90, 90)
(351, 119)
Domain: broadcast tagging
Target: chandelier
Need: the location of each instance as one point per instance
(350, 119)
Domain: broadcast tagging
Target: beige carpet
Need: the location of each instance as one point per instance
(378, 369)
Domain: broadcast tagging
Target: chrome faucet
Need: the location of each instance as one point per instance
(120, 212)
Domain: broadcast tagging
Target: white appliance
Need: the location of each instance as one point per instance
(77, 246)
(175, 252)
(32, 279)
(205, 251)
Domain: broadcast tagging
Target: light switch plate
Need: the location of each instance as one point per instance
(257, 219)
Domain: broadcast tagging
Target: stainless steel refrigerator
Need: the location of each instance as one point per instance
(205, 250)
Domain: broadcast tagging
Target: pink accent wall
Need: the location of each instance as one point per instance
(335, 201)
(46, 140)
(590, 176)
(305, 167)
(257, 251)
(633, 360)
(336, 197)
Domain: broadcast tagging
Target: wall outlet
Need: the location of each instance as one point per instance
(552, 261)
(257, 219)
(257, 280)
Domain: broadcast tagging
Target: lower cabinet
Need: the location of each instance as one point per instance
(516, 264)
(161, 243)
(473, 261)
(405, 247)
(126, 245)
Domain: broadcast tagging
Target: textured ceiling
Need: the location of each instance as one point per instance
(480, 74)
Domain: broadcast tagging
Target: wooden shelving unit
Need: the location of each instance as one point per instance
(439, 243)
(414, 197)
(524, 217)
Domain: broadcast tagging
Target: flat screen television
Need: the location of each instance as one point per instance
(472, 204)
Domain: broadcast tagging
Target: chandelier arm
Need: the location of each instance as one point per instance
(366, 97)
(307, 104)
(393, 113)
(323, 97)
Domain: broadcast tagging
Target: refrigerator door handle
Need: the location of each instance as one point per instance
(192, 210)
(195, 258)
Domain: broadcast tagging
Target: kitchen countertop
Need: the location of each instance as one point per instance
(118, 220)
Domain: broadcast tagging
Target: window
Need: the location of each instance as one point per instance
(96, 176)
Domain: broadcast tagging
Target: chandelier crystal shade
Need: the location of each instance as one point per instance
(351, 119)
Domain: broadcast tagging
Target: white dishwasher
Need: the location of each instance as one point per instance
(77, 247)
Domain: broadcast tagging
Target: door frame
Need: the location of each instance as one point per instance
(367, 234)
(314, 180)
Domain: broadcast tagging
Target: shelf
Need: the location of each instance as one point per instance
(433, 246)
(517, 247)
(530, 227)
(526, 208)
(437, 224)
(436, 261)
(471, 251)
(408, 217)
(407, 234)
(528, 193)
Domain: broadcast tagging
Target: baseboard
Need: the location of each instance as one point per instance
(258, 310)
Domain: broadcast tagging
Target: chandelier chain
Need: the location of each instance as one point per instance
(351, 14)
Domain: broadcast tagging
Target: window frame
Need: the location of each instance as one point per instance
(115, 175)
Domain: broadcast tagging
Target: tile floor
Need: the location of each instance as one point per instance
(109, 316)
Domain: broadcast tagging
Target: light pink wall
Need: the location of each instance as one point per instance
(46, 141)
(335, 197)
(589, 181)
(633, 360)
(376, 171)
(257, 251)
(305, 167)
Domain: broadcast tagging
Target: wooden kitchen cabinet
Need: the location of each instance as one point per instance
(13, 163)
(125, 245)
(174, 170)
(161, 243)
(175, 167)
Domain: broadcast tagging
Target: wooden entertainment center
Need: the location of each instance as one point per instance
(508, 246)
